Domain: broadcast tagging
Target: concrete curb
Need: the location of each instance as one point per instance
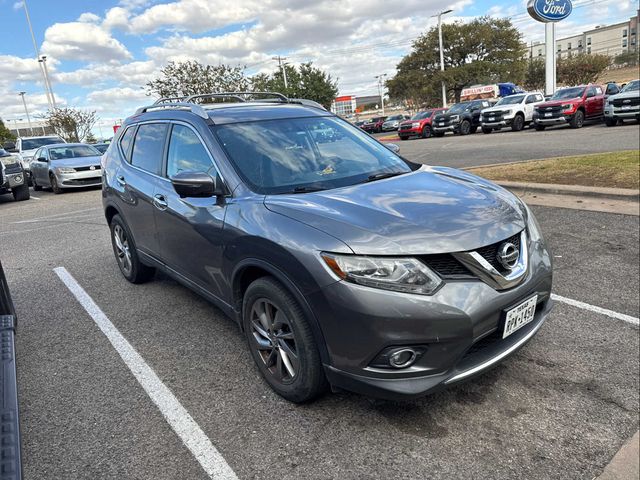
(625, 194)
(624, 465)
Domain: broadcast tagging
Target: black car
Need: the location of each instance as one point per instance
(13, 178)
(342, 263)
(462, 118)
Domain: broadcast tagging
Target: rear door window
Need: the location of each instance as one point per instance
(148, 147)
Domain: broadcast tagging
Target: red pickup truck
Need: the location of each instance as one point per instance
(419, 125)
(571, 106)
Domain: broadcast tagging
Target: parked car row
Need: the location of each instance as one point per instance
(573, 106)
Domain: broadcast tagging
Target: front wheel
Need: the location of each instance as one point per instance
(611, 122)
(518, 123)
(438, 134)
(21, 193)
(426, 131)
(126, 254)
(55, 188)
(487, 130)
(465, 127)
(281, 341)
(540, 128)
(578, 120)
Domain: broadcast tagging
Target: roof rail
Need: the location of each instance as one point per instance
(241, 96)
(234, 96)
(194, 108)
(169, 100)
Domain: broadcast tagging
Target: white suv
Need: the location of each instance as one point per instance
(515, 111)
(26, 148)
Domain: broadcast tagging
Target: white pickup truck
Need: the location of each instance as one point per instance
(515, 111)
(26, 147)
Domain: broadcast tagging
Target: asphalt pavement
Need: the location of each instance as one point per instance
(560, 408)
(507, 146)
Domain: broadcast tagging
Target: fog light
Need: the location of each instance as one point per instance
(402, 358)
(18, 179)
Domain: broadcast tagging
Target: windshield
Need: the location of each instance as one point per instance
(573, 92)
(631, 86)
(74, 151)
(101, 147)
(510, 100)
(395, 117)
(421, 115)
(459, 107)
(288, 156)
(33, 143)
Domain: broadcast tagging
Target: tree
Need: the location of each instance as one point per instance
(628, 58)
(485, 50)
(306, 81)
(5, 134)
(582, 68)
(535, 76)
(72, 124)
(91, 138)
(193, 78)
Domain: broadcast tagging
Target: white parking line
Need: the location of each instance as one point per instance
(174, 413)
(592, 308)
(63, 214)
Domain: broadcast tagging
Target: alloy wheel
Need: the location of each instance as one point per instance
(275, 341)
(123, 253)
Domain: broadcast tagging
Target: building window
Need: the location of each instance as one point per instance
(588, 40)
(633, 41)
(559, 48)
(624, 33)
(569, 46)
(624, 43)
(589, 50)
(633, 31)
(540, 52)
(579, 43)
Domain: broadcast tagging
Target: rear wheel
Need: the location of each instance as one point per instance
(578, 120)
(426, 131)
(518, 123)
(126, 254)
(487, 130)
(281, 341)
(54, 185)
(465, 127)
(21, 193)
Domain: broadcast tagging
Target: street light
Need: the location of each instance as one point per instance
(43, 60)
(379, 78)
(42, 65)
(26, 111)
(444, 88)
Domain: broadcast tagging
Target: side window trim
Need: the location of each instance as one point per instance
(127, 155)
(204, 145)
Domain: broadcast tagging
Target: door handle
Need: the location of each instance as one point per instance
(121, 181)
(160, 202)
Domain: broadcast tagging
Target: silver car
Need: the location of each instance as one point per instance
(66, 165)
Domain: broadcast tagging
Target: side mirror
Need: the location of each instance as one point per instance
(197, 184)
(10, 147)
(393, 147)
(41, 159)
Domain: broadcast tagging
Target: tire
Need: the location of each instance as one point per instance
(473, 129)
(578, 119)
(36, 187)
(272, 316)
(438, 134)
(21, 193)
(124, 248)
(487, 130)
(611, 122)
(426, 131)
(465, 127)
(540, 128)
(518, 123)
(55, 188)
(403, 138)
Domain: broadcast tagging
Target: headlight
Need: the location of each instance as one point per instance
(407, 275)
(415, 125)
(66, 170)
(568, 107)
(455, 118)
(535, 234)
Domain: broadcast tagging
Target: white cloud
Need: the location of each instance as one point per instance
(18, 5)
(89, 17)
(82, 41)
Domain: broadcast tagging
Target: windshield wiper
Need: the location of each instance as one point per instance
(306, 189)
(381, 176)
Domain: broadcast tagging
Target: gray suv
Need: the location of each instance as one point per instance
(344, 264)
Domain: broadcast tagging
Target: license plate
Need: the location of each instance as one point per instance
(626, 107)
(492, 119)
(548, 114)
(442, 124)
(519, 316)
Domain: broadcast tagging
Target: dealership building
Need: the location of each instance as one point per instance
(348, 105)
(610, 40)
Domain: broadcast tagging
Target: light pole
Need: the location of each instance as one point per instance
(42, 67)
(379, 78)
(282, 67)
(444, 88)
(26, 111)
(43, 59)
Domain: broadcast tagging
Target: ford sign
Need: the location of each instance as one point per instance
(549, 10)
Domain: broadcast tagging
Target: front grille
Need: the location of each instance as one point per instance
(83, 181)
(622, 102)
(443, 122)
(84, 169)
(554, 111)
(405, 127)
(490, 252)
(446, 266)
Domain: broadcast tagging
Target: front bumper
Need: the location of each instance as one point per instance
(89, 178)
(451, 128)
(622, 114)
(13, 180)
(409, 132)
(560, 120)
(358, 323)
(506, 122)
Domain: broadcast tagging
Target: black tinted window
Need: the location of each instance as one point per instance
(186, 152)
(148, 147)
(125, 142)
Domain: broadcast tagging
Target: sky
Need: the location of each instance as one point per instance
(100, 54)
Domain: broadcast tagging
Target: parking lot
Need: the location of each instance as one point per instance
(560, 408)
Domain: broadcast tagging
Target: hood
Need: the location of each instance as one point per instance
(28, 153)
(631, 94)
(432, 210)
(500, 108)
(409, 122)
(77, 162)
(555, 103)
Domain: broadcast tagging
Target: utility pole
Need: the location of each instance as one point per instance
(282, 67)
(380, 92)
(42, 68)
(444, 88)
(43, 59)
(26, 111)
